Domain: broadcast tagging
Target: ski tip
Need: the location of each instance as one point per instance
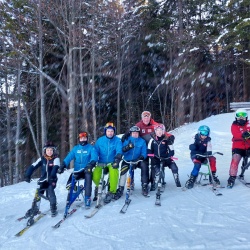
(56, 226)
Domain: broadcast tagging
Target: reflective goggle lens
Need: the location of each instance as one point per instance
(109, 124)
(205, 133)
(241, 114)
(146, 114)
(84, 134)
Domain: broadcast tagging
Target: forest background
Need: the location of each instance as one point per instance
(72, 65)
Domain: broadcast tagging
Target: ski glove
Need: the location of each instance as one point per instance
(117, 161)
(89, 167)
(61, 169)
(125, 136)
(246, 135)
(171, 139)
(27, 178)
(128, 147)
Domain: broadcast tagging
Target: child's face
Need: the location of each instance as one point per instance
(49, 151)
(159, 132)
(203, 137)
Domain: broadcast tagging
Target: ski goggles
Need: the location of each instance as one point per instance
(204, 132)
(83, 134)
(109, 124)
(241, 115)
(146, 114)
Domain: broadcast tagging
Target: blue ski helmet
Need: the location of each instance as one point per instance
(204, 130)
(109, 125)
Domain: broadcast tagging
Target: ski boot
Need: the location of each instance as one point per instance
(216, 179)
(190, 182)
(108, 198)
(119, 193)
(177, 181)
(31, 213)
(145, 189)
(230, 181)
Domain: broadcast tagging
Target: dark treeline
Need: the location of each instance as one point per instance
(74, 65)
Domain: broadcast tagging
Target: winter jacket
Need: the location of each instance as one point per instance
(139, 149)
(49, 167)
(107, 148)
(82, 155)
(146, 130)
(237, 140)
(161, 147)
(200, 146)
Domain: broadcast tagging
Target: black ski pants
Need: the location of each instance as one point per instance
(156, 169)
(87, 183)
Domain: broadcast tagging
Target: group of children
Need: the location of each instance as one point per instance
(145, 144)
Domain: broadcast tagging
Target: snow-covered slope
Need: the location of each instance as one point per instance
(192, 219)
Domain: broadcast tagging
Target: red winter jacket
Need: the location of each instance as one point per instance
(238, 141)
(146, 130)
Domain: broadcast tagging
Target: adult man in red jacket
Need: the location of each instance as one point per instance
(240, 130)
(147, 126)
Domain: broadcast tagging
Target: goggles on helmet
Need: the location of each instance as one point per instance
(204, 132)
(146, 114)
(160, 126)
(134, 129)
(109, 124)
(241, 114)
(83, 134)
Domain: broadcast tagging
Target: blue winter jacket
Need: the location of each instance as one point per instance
(140, 149)
(82, 156)
(107, 148)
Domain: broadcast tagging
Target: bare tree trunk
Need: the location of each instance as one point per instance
(71, 101)
(31, 128)
(118, 121)
(8, 132)
(42, 94)
(192, 102)
(18, 125)
(63, 130)
(93, 92)
(84, 124)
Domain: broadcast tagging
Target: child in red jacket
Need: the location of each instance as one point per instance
(240, 130)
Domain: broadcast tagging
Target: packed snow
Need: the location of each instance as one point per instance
(191, 219)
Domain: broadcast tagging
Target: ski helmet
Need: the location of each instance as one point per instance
(109, 125)
(204, 130)
(49, 144)
(159, 126)
(83, 134)
(134, 129)
(241, 113)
